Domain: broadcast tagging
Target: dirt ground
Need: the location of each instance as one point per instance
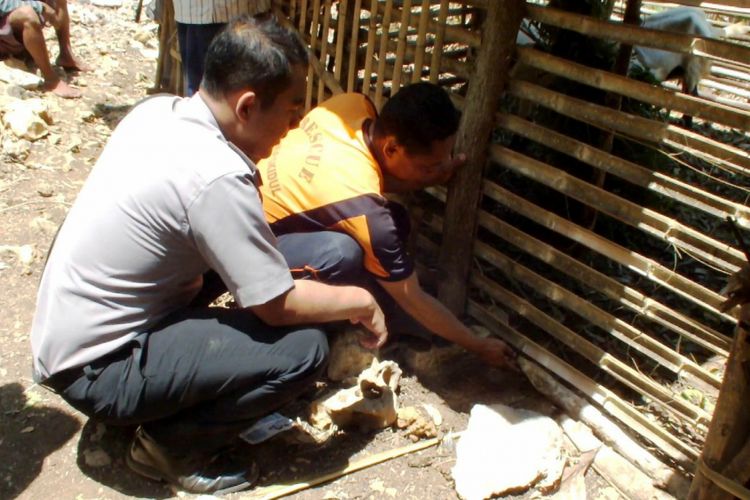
(47, 450)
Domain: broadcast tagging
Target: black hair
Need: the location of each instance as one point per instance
(418, 115)
(255, 52)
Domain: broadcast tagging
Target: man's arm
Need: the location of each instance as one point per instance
(437, 318)
(314, 302)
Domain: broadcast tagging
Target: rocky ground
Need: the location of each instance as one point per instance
(47, 450)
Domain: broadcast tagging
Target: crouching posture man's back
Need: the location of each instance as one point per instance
(117, 332)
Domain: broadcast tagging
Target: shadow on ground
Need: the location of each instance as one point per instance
(29, 432)
(101, 456)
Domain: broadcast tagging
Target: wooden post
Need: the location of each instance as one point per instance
(464, 191)
(719, 468)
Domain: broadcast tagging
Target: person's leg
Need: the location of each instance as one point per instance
(56, 12)
(27, 27)
(336, 258)
(194, 40)
(200, 378)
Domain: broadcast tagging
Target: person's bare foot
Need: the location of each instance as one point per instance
(62, 89)
(70, 63)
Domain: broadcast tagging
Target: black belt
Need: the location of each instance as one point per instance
(60, 381)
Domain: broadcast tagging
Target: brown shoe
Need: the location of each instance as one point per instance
(193, 474)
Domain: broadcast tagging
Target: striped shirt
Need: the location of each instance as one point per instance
(216, 11)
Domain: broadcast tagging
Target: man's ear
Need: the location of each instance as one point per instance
(390, 147)
(247, 103)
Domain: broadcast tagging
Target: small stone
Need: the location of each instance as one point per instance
(96, 457)
(45, 190)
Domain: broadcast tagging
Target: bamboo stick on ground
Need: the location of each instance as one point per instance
(281, 490)
(580, 409)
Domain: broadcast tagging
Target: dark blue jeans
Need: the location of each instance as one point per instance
(337, 259)
(200, 378)
(194, 40)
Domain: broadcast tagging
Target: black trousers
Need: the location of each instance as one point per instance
(199, 378)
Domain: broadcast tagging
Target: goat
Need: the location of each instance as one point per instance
(664, 65)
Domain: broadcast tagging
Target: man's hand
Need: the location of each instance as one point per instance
(374, 320)
(449, 168)
(495, 352)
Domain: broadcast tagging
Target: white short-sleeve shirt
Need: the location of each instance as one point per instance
(168, 199)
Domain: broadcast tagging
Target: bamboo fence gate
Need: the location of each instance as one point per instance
(614, 318)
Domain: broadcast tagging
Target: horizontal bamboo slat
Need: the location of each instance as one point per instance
(616, 291)
(643, 37)
(657, 182)
(665, 277)
(651, 94)
(728, 157)
(682, 237)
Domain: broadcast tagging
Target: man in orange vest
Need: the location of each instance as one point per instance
(323, 196)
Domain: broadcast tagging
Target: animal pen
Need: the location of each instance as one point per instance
(589, 228)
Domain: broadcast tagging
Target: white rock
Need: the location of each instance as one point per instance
(27, 118)
(507, 450)
(18, 77)
(107, 3)
(16, 150)
(96, 457)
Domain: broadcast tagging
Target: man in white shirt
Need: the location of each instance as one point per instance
(174, 194)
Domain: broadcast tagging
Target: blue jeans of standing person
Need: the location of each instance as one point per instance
(194, 40)
(198, 379)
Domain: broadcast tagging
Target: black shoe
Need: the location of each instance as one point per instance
(148, 458)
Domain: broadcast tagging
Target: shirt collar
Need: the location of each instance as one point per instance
(195, 109)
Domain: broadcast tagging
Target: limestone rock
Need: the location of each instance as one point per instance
(505, 450)
(16, 150)
(14, 76)
(96, 457)
(27, 118)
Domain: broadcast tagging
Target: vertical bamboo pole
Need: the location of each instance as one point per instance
(371, 33)
(437, 49)
(383, 52)
(464, 191)
(340, 39)
(327, 13)
(401, 47)
(313, 43)
(424, 16)
(302, 15)
(354, 47)
(729, 431)
(614, 101)
(292, 11)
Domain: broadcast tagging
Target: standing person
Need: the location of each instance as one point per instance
(175, 193)
(197, 23)
(323, 195)
(21, 24)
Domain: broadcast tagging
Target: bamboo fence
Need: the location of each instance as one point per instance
(604, 240)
